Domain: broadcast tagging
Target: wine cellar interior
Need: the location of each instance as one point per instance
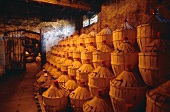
(85, 55)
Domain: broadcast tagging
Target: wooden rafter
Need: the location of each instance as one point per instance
(64, 4)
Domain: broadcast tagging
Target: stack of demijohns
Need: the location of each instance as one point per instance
(83, 71)
(146, 33)
(55, 98)
(126, 30)
(104, 35)
(154, 62)
(125, 54)
(99, 79)
(102, 54)
(127, 92)
(91, 38)
(97, 104)
(41, 80)
(72, 46)
(64, 69)
(90, 47)
(158, 99)
(77, 52)
(79, 96)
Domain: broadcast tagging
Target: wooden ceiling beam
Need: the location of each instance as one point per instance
(64, 4)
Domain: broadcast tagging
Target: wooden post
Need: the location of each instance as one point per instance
(43, 49)
(79, 23)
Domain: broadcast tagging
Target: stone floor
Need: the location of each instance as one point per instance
(16, 91)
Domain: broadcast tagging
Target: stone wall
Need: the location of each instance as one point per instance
(136, 11)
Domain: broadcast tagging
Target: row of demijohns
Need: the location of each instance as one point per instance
(105, 72)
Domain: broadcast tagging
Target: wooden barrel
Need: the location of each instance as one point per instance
(56, 98)
(154, 67)
(126, 54)
(158, 99)
(119, 34)
(99, 79)
(129, 87)
(104, 35)
(79, 96)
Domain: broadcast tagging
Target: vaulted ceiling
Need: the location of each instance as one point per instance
(46, 10)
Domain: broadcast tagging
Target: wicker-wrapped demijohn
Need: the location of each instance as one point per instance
(79, 96)
(125, 54)
(128, 89)
(81, 39)
(104, 35)
(91, 38)
(126, 30)
(71, 84)
(73, 68)
(97, 104)
(77, 52)
(154, 62)
(102, 54)
(83, 71)
(55, 99)
(158, 99)
(99, 79)
(146, 33)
